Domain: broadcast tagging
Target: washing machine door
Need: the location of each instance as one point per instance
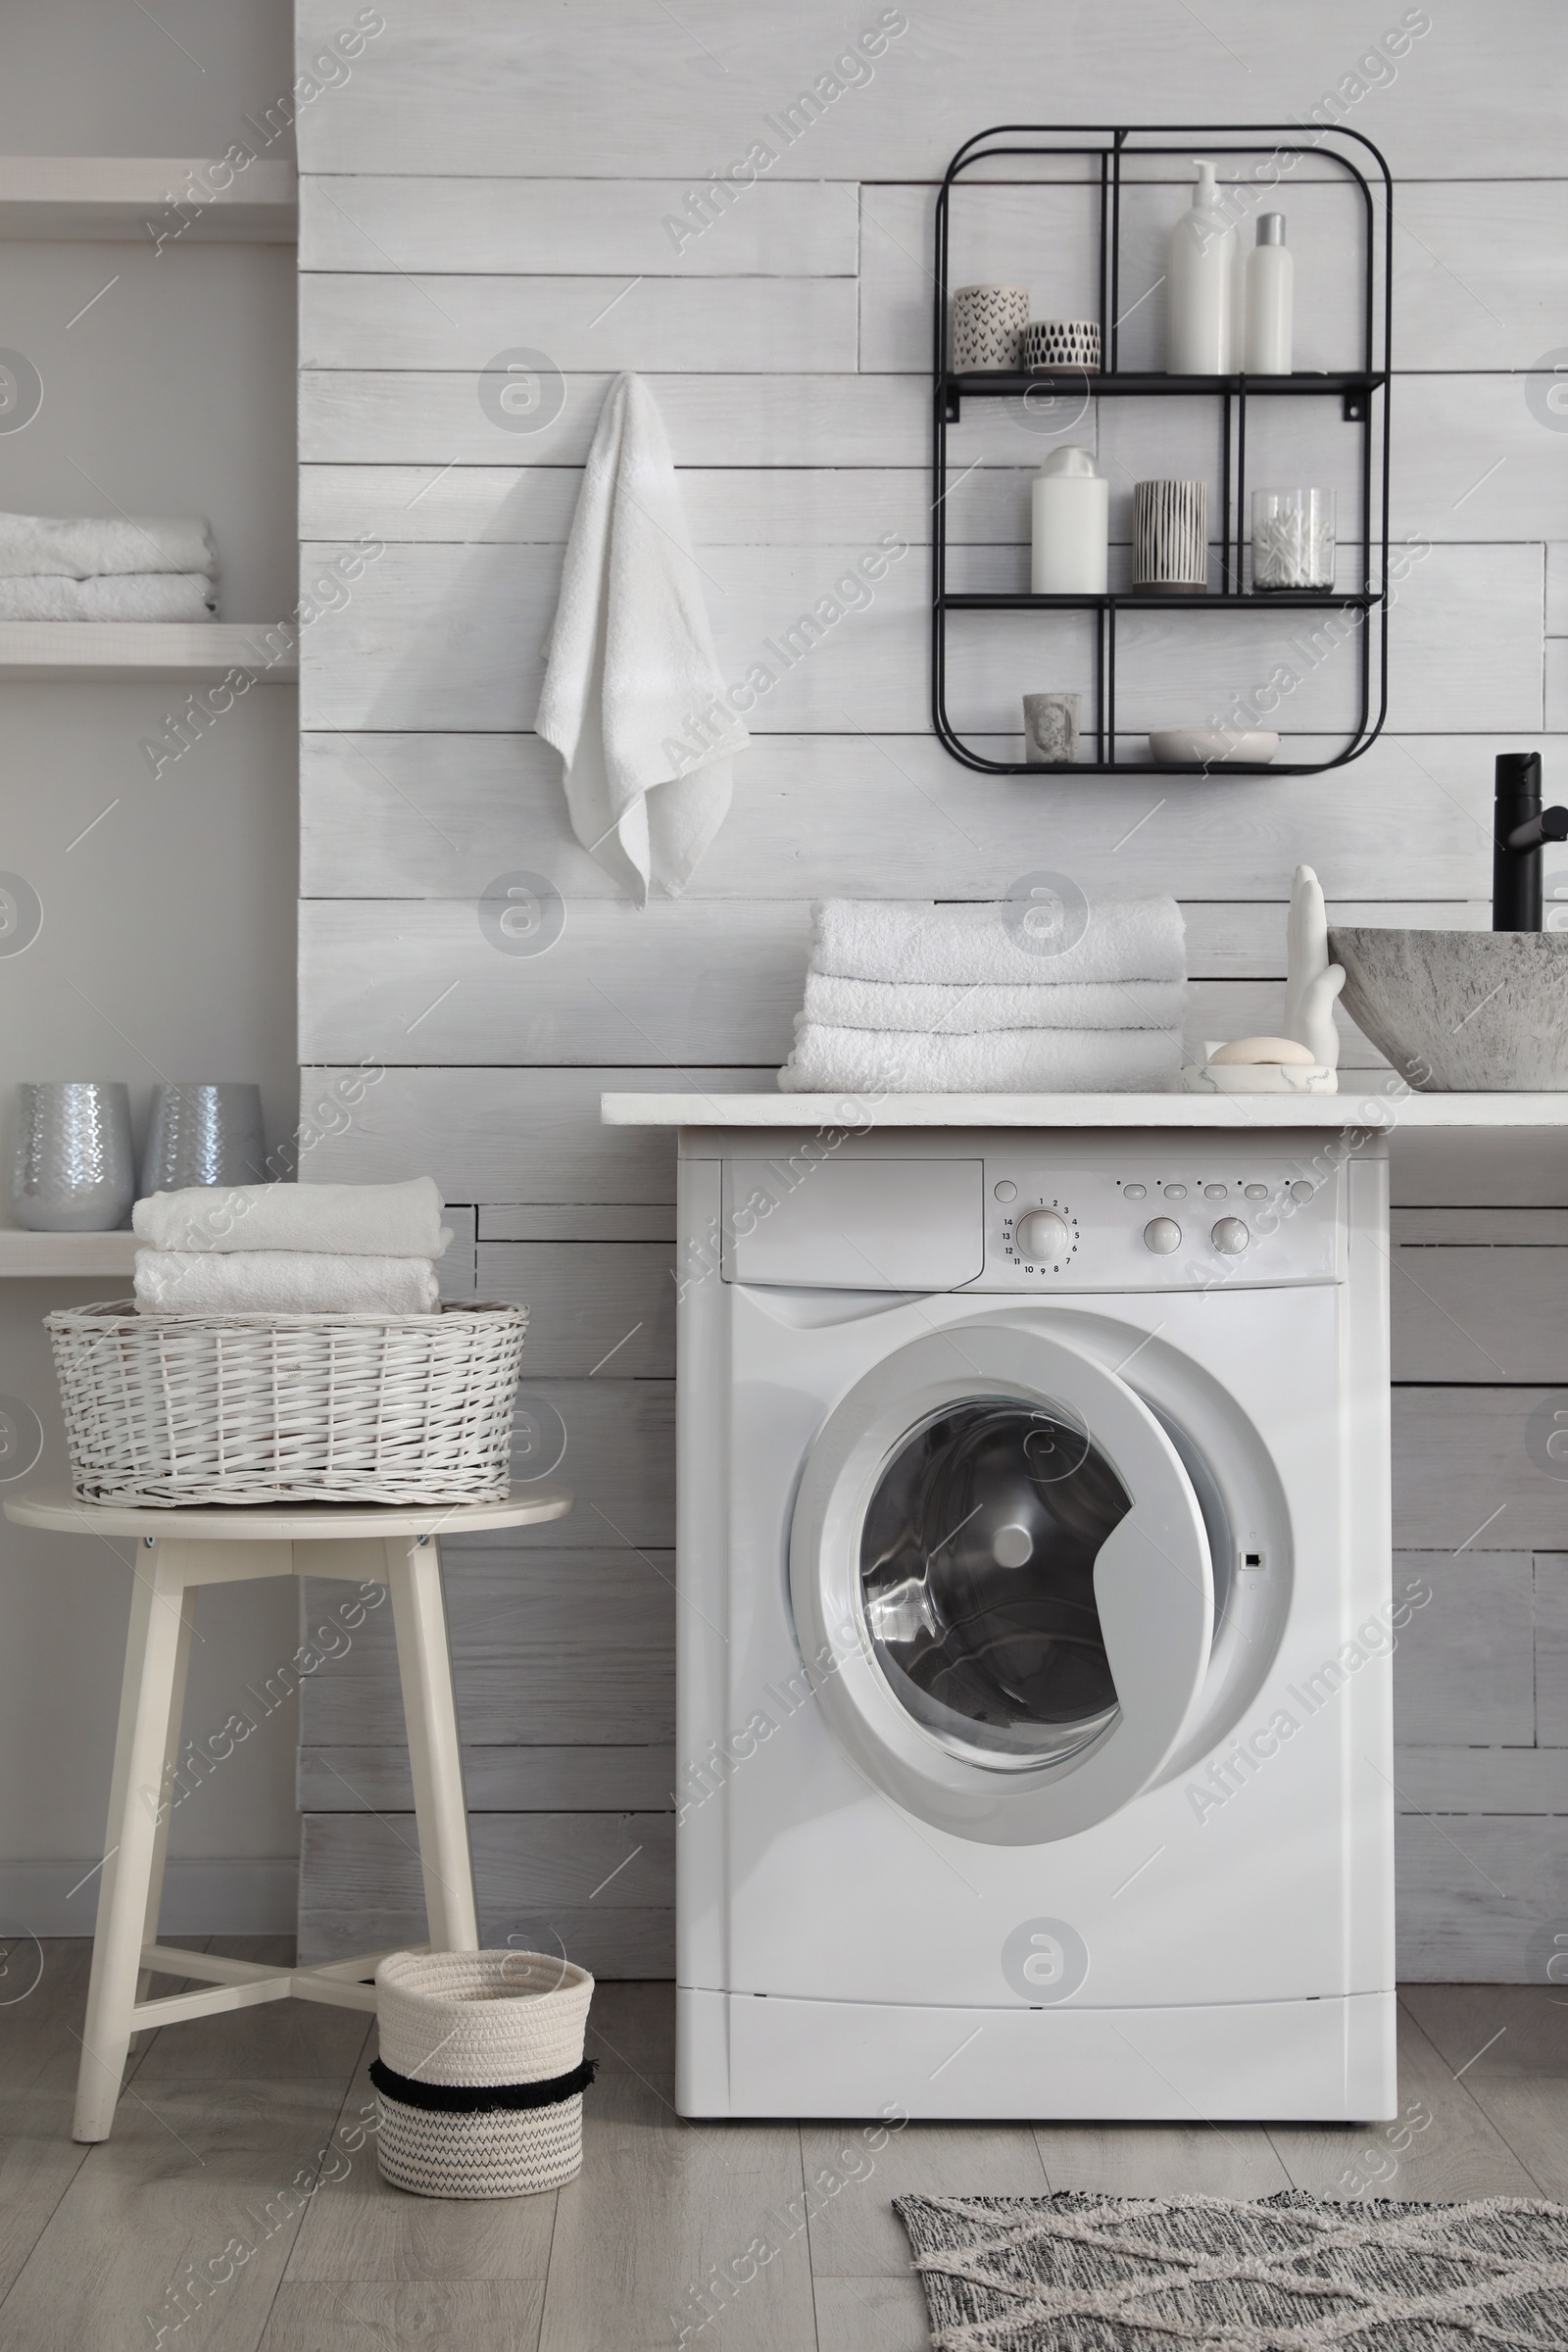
(1001, 1583)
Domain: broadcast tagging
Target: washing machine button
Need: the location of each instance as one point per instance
(1231, 1237)
(1302, 1190)
(1175, 1191)
(1042, 1236)
(1162, 1235)
(1215, 1191)
(1006, 1191)
(1133, 1191)
(1257, 1191)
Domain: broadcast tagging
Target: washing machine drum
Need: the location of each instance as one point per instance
(977, 1575)
(1002, 1583)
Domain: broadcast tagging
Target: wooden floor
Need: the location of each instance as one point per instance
(239, 2156)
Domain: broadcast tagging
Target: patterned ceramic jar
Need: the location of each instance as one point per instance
(988, 326)
(1170, 537)
(1061, 343)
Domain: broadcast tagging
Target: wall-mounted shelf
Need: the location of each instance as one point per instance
(1284, 600)
(163, 202)
(1354, 386)
(58, 1253)
(1361, 392)
(35, 651)
(117, 197)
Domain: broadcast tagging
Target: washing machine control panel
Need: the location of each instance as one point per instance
(1181, 1222)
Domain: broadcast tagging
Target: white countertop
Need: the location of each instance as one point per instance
(1369, 1098)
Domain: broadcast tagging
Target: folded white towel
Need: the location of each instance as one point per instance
(282, 1282)
(892, 939)
(82, 546)
(1000, 1061)
(120, 596)
(342, 1220)
(950, 1012)
(634, 699)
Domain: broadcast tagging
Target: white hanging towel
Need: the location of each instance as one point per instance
(633, 697)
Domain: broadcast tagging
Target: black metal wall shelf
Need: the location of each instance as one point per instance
(1362, 391)
(1279, 600)
(1354, 386)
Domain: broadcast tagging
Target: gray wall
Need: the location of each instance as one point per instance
(492, 180)
(166, 947)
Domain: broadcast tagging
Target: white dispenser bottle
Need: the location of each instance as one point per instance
(1270, 272)
(1198, 286)
(1070, 526)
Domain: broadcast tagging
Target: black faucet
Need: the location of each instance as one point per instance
(1519, 826)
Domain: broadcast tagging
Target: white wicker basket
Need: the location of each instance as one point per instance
(169, 1409)
(480, 2077)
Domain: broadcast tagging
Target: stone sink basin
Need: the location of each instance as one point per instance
(1461, 1012)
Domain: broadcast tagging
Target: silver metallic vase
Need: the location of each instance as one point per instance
(72, 1170)
(204, 1134)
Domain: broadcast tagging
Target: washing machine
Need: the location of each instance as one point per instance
(1033, 1627)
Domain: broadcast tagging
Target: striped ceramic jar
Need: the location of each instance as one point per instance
(1170, 537)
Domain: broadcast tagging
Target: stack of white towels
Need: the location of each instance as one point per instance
(57, 568)
(291, 1250)
(911, 998)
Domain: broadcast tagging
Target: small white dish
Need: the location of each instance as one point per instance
(1182, 747)
(1243, 1053)
(1258, 1078)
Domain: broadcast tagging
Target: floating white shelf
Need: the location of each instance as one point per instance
(56, 1253)
(114, 196)
(140, 649)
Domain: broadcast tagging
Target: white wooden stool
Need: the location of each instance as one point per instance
(177, 1551)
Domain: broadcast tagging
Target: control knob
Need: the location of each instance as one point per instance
(1230, 1237)
(1042, 1235)
(1162, 1235)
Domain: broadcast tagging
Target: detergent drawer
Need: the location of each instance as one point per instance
(804, 1220)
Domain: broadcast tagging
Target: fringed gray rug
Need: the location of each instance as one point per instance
(1286, 2274)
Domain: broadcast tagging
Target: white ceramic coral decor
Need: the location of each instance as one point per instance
(1306, 1060)
(1311, 982)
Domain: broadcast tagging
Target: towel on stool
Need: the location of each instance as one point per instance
(952, 1011)
(633, 683)
(82, 547)
(903, 940)
(282, 1282)
(340, 1220)
(120, 596)
(1007, 1061)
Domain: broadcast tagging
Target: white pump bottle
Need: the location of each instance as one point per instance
(1269, 271)
(1198, 286)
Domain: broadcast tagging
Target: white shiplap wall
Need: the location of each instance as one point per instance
(492, 178)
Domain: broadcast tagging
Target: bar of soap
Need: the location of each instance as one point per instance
(1264, 1049)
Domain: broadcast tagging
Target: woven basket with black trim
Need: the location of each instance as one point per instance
(480, 2078)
